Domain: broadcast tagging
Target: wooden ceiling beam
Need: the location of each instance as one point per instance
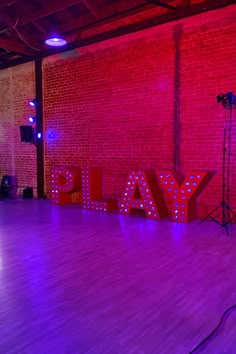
(40, 28)
(14, 62)
(20, 33)
(170, 16)
(7, 3)
(121, 7)
(93, 9)
(78, 25)
(162, 4)
(52, 7)
(14, 46)
(187, 3)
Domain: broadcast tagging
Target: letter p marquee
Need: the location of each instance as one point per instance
(64, 181)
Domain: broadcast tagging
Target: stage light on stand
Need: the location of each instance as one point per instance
(228, 216)
(39, 135)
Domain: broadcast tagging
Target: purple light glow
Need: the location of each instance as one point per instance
(32, 103)
(56, 42)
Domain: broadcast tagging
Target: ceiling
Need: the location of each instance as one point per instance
(26, 24)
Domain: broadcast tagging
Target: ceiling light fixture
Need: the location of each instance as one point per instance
(56, 42)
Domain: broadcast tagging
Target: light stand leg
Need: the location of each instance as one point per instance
(227, 214)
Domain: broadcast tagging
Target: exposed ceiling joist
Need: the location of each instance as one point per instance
(124, 6)
(162, 4)
(77, 24)
(187, 3)
(14, 46)
(112, 15)
(52, 7)
(31, 42)
(92, 7)
(40, 28)
(140, 6)
(6, 3)
(178, 14)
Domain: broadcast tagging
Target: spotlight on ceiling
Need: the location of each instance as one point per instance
(56, 41)
(39, 135)
(32, 103)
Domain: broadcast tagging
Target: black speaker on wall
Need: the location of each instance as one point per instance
(27, 134)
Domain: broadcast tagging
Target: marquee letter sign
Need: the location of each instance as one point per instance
(183, 192)
(142, 192)
(92, 191)
(64, 181)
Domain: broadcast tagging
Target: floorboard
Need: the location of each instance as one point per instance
(76, 281)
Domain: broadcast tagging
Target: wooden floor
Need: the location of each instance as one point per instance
(75, 281)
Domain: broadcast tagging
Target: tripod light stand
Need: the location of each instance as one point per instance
(223, 214)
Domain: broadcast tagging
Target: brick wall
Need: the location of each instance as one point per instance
(123, 104)
(99, 107)
(16, 158)
(208, 55)
(120, 104)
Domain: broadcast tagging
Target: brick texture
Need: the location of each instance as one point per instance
(114, 104)
(16, 158)
(98, 107)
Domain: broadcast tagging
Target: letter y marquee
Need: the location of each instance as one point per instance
(184, 192)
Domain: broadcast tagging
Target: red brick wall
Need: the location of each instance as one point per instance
(16, 158)
(113, 105)
(100, 107)
(208, 69)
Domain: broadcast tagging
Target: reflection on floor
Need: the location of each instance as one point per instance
(75, 281)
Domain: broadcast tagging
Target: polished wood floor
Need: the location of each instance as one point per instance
(75, 281)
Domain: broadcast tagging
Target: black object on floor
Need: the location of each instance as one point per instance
(28, 193)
